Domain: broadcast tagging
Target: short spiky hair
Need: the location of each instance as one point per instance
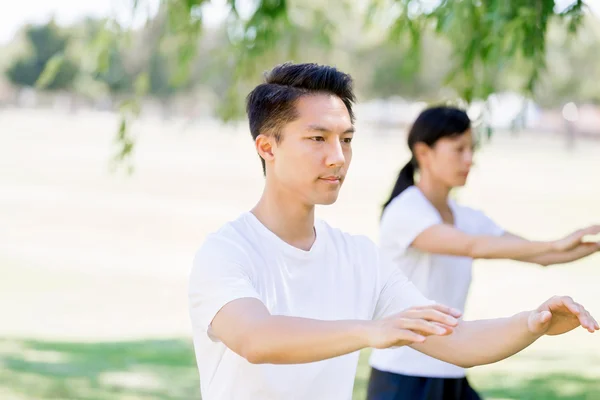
(271, 104)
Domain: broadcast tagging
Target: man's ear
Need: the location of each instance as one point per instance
(264, 147)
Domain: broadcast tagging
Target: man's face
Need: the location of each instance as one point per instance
(313, 154)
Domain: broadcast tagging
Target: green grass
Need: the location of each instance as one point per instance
(554, 386)
(141, 370)
(166, 370)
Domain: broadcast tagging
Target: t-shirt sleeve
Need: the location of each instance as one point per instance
(404, 219)
(396, 291)
(219, 275)
(485, 225)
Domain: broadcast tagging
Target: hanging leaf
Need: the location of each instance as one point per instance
(50, 71)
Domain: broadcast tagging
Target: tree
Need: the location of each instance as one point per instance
(46, 63)
(572, 66)
(486, 38)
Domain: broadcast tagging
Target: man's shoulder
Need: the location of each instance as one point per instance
(230, 241)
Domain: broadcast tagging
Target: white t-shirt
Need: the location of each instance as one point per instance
(339, 278)
(444, 279)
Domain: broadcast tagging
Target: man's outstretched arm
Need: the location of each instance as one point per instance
(246, 327)
(488, 341)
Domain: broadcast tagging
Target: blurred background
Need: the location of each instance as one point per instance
(123, 143)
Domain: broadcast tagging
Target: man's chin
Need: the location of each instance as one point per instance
(327, 200)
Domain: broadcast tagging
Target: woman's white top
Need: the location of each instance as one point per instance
(444, 279)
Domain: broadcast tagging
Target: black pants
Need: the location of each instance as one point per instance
(389, 386)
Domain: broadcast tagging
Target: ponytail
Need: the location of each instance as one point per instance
(406, 179)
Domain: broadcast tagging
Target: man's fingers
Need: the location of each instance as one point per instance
(585, 318)
(571, 305)
(587, 321)
(448, 328)
(544, 316)
(539, 320)
(422, 326)
(406, 335)
(442, 308)
(431, 315)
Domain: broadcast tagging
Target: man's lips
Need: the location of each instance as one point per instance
(332, 179)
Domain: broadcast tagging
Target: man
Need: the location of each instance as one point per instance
(280, 303)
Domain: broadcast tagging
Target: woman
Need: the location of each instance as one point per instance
(435, 240)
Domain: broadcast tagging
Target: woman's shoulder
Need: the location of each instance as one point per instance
(411, 201)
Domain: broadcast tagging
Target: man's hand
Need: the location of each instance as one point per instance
(487, 341)
(413, 326)
(575, 239)
(559, 315)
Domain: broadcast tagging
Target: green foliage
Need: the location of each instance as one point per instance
(59, 73)
(23, 72)
(471, 48)
(183, 27)
(486, 38)
(46, 65)
(112, 71)
(573, 62)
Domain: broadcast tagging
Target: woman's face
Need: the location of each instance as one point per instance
(450, 159)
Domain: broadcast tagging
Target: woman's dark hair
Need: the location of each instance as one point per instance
(430, 126)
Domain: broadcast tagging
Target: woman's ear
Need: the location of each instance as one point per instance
(421, 152)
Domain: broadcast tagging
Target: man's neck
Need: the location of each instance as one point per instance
(291, 220)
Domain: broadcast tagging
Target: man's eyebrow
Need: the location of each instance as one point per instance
(320, 128)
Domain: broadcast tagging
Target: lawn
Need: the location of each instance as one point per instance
(165, 370)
